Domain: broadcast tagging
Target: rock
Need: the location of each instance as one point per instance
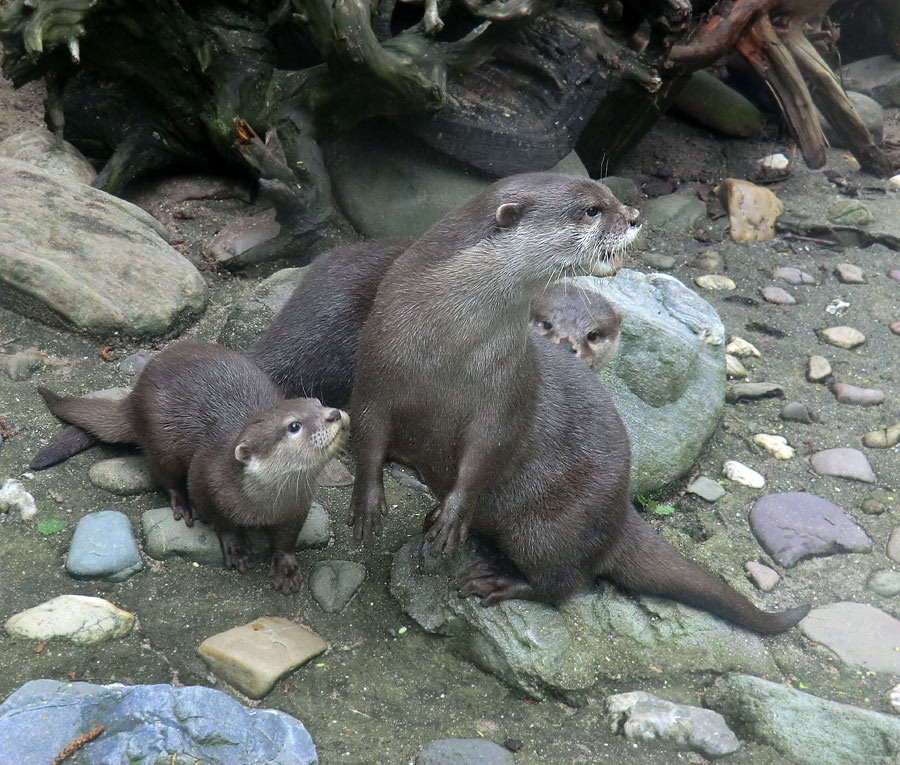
(96, 261)
(774, 162)
(624, 189)
(641, 716)
(777, 446)
(143, 723)
(882, 439)
(254, 313)
(753, 392)
(739, 347)
(777, 296)
(837, 307)
(847, 273)
(460, 751)
(673, 212)
(335, 474)
(333, 583)
(734, 369)
(851, 394)
(103, 547)
(20, 367)
(668, 378)
(872, 507)
(14, 497)
(878, 77)
(124, 476)
(843, 337)
(316, 531)
(708, 260)
(714, 282)
(77, 619)
(843, 463)
(885, 583)
(795, 525)
(706, 488)
(254, 656)
(861, 635)
(850, 212)
(762, 576)
(246, 241)
(893, 546)
(752, 210)
(134, 364)
(818, 369)
(894, 698)
(894, 180)
(564, 650)
(715, 105)
(739, 473)
(793, 275)
(804, 729)
(869, 111)
(42, 150)
(407, 477)
(658, 262)
(895, 327)
(796, 411)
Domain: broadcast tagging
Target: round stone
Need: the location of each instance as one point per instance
(885, 583)
(793, 275)
(714, 282)
(777, 296)
(122, 475)
(872, 507)
(850, 212)
(763, 577)
(103, 547)
(843, 337)
(843, 463)
(882, 439)
(852, 394)
(658, 261)
(848, 273)
(796, 411)
(895, 327)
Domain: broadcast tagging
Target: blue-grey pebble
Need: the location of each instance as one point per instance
(103, 547)
(464, 751)
(333, 583)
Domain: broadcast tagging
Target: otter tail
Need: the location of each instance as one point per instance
(105, 419)
(67, 443)
(647, 564)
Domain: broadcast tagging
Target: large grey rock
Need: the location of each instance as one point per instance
(878, 77)
(75, 255)
(861, 635)
(103, 547)
(673, 212)
(596, 634)
(869, 111)
(46, 152)
(805, 729)
(668, 376)
(405, 187)
(146, 724)
(254, 313)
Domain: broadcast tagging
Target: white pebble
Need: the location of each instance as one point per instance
(894, 693)
(714, 282)
(14, 497)
(774, 162)
(743, 475)
(737, 346)
(777, 446)
(837, 307)
(894, 180)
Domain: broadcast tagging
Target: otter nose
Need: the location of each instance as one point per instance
(333, 416)
(633, 216)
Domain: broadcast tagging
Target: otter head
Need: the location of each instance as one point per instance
(572, 224)
(298, 435)
(581, 318)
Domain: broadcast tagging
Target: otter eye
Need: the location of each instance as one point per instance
(294, 427)
(548, 325)
(593, 336)
(593, 211)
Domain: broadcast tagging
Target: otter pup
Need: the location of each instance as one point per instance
(518, 439)
(583, 318)
(223, 443)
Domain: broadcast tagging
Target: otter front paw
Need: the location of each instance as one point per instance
(235, 551)
(181, 507)
(284, 572)
(447, 528)
(367, 508)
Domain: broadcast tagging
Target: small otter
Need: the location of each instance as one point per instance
(223, 443)
(582, 318)
(519, 440)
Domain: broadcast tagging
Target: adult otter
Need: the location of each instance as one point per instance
(223, 443)
(518, 439)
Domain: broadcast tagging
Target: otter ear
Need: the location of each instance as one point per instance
(509, 214)
(242, 452)
(618, 318)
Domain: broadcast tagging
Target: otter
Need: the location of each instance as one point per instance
(518, 439)
(223, 443)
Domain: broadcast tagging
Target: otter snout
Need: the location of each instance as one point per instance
(633, 218)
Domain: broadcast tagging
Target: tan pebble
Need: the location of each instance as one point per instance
(777, 446)
(739, 347)
(752, 210)
(848, 273)
(817, 369)
(734, 368)
(714, 282)
(843, 337)
(895, 327)
(882, 439)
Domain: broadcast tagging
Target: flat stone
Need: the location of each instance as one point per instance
(734, 368)
(793, 275)
(796, 411)
(847, 273)
(740, 473)
(333, 583)
(861, 635)
(752, 210)
(885, 583)
(254, 656)
(893, 546)
(791, 526)
(763, 577)
(714, 282)
(407, 477)
(124, 476)
(708, 260)
(44, 151)
(843, 337)
(640, 716)
(777, 446)
(850, 212)
(21, 366)
(657, 261)
(13, 496)
(739, 347)
(673, 212)
(103, 547)
(818, 369)
(777, 296)
(460, 751)
(882, 439)
(77, 619)
(852, 394)
(753, 392)
(706, 488)
(843, 463)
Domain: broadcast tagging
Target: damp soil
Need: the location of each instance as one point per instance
(385, 687)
